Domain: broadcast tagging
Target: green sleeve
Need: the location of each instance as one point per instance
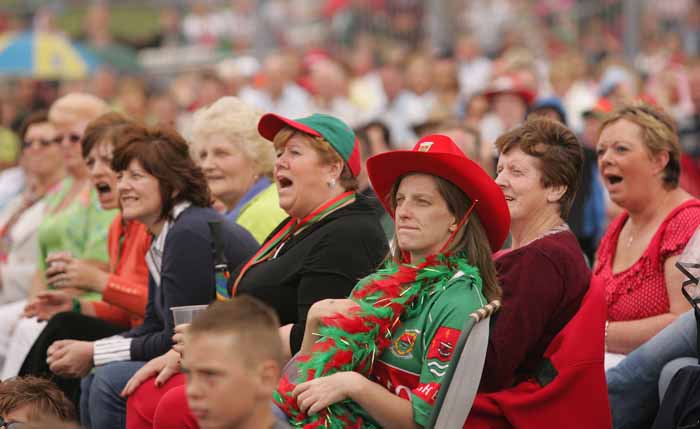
(442, 328)
(96, 230)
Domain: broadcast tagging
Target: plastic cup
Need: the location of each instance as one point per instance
(186, 313)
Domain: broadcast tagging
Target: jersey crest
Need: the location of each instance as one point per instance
(404, 344)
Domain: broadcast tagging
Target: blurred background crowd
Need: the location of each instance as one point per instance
(623, 76)
(394, 69)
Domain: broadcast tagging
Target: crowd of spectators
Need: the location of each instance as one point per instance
(107, 220)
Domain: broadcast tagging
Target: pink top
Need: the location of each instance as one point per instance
(640, 291)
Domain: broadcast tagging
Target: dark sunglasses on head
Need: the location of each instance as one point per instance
(73, 138)
(36, 142)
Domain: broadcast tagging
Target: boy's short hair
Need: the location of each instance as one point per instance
(254, 325)
(45, 398)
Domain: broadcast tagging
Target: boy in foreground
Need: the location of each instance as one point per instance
(233, 360)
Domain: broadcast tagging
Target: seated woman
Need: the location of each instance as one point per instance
(237, 163)
(637, 384)
(638, 157)
(547, 302)
(331, 239)
(449, 217)
(124, 288)
(74, 222)
(42, 166)
(160, 186)
(543, 273)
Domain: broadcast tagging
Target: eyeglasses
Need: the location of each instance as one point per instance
(42, 143)
(73, 138)
(10, 425)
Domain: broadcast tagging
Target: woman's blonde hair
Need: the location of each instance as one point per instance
(659, 133)
(325, 151)
(236, 121)
(76, 106)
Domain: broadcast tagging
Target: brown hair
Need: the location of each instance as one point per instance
(659, 133)
(471, 239)
(37, 117)
(325, 151)
(164, 154)
(253, 324)
(45, 399)
(105, 127)
(557, 148)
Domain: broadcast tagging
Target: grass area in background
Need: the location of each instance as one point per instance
(130, 21)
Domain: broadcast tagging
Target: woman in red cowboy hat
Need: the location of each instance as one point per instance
(377, 359)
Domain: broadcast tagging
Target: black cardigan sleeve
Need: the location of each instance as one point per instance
(187, 278)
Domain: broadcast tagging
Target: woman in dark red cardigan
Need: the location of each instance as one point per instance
(544, 275)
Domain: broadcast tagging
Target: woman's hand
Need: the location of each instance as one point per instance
(179, 338)
(329, 307)
(164, 367)
(315, 395)
(49, 303)
(319, 311)
(67, 272)
(70, 358)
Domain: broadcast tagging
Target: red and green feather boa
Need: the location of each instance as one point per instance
(352, 343)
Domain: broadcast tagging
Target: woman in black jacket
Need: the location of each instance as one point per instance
(160, 186)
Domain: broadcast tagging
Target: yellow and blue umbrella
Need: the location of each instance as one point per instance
(44, 56)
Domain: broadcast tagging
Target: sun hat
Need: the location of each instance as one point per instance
(336, 132)
(509, 85)
(438, 155)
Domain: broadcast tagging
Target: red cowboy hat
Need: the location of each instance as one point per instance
(438, 155)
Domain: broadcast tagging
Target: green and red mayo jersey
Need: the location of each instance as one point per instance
(422, 346)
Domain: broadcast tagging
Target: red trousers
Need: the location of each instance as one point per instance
(160, 407)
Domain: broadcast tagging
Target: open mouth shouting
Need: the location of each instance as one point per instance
(611, 180)
(105, 192)
(284, 182)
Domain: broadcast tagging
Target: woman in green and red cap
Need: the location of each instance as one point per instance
(331, 238)
(450, 216)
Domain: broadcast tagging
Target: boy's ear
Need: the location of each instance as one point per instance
(268, 375)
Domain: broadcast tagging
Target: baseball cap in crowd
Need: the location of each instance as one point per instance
(336, 132)
(601, 108)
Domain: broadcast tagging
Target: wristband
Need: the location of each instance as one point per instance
(77, 307)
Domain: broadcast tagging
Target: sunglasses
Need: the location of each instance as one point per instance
(42, 143)
(73, 138)
(10, 425)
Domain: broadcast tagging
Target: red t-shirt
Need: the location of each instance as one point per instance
(640, 291)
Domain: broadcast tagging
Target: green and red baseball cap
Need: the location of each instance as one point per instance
(336, 132)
